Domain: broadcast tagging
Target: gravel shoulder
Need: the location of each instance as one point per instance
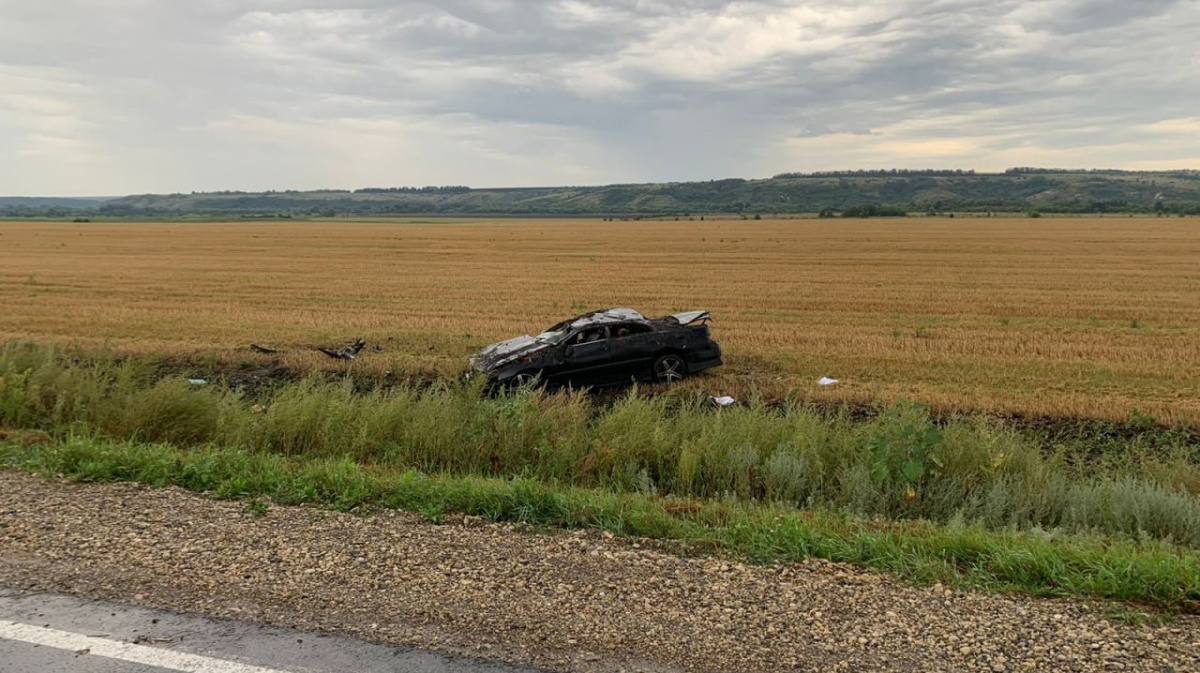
(570, 601)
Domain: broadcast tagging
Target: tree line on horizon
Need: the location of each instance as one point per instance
(903, 190)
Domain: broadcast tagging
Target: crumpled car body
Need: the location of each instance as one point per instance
(601, 348)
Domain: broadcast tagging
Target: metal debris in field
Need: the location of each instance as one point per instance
(262, 349)
(826, 381)
(722, 401)
(198, 382)
(345, 352)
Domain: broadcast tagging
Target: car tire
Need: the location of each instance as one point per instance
(669, 368)
(525, 380)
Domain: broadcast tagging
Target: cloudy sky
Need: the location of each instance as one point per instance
(127, 96)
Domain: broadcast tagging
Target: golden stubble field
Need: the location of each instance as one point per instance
(1088, 317)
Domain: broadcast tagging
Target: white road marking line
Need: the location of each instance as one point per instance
(138, 654)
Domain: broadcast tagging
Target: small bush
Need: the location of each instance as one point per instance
(874, 210)
(172, 412)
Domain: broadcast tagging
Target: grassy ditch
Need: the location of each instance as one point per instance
(955, 554)
(959, 501)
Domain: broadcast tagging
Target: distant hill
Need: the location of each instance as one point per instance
(1027, 189)
(53, 201)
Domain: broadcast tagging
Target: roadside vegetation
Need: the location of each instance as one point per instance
(959, 500)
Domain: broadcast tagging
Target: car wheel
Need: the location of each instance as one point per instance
(669, 368)
(525, 380)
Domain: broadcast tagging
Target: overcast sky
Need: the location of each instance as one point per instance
(108, 97)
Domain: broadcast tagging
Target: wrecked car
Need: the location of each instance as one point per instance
(601, 348)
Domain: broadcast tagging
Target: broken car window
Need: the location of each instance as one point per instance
(629, 329)
(554, 336)
(589, 336)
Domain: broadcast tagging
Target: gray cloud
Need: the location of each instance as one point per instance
(117, 96)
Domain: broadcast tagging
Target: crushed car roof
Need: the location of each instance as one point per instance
(618, 315)
(606, 317)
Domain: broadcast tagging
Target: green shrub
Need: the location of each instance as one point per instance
(873, 210)
(170, 411)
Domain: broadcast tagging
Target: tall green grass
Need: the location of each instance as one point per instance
(955, 554)
(897, 465)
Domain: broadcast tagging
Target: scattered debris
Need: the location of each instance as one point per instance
(345, 352)
(198, 382)
(723, 400)
(142, 639)
(826, 381)
(348, 352)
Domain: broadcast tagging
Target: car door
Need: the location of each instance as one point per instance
(633, 351)
(587, 357)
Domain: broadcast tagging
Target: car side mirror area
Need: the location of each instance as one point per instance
(568, 351)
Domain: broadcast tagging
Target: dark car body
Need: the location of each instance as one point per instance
(602, 348)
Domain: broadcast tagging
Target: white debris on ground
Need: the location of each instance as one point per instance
(723, 401)
(826, 381)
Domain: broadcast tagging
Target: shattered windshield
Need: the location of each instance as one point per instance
(554, 336)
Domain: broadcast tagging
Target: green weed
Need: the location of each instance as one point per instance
(257, 507)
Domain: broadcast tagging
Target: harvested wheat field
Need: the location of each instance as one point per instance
(1079, 317)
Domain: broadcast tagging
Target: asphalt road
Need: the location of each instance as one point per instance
(42, 632)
